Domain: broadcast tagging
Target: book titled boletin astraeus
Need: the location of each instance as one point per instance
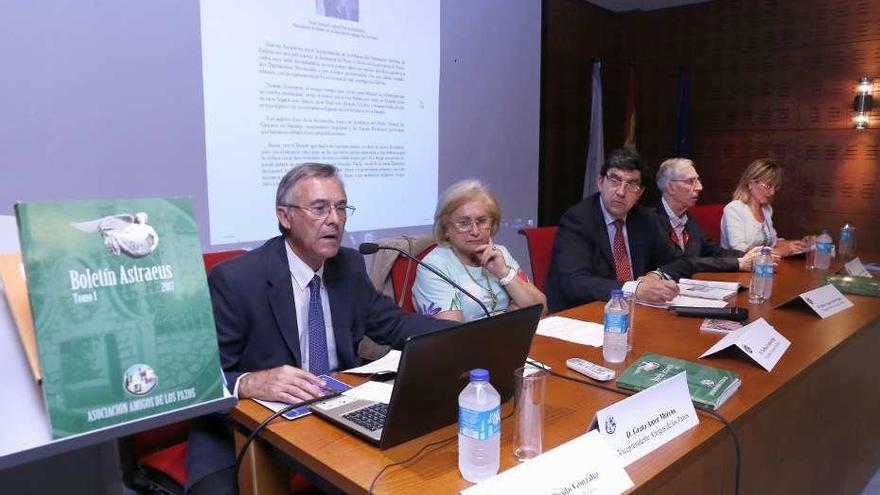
(121, 311)
(709, 387)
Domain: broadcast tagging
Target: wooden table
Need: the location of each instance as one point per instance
(812, 425)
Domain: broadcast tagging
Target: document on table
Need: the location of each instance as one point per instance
(374, 391)
(386, 364)
(571, 330)
(695, 302)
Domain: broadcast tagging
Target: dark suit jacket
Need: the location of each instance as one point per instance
(705, 255)
(582, 267)
(252, 296)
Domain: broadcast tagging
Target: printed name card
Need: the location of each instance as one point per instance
(758, 340)
(583, 465)
(643, 422)
(826, 301)
(855, 268)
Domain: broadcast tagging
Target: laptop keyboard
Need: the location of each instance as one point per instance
(372, 417)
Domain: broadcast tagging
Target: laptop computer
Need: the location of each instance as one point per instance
(433, 370)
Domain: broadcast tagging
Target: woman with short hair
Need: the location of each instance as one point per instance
(465, 223)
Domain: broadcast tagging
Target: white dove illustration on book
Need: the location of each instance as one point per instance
(123, 233)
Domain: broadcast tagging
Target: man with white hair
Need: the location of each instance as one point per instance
(680, 186)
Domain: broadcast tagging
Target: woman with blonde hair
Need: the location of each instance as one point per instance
(747, 221)
(465, 223)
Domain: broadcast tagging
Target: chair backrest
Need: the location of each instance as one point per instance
(163, 449)
(211, 259)
(540, 243)
(708, 217)
(403, 275)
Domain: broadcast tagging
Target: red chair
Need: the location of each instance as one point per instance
(540, 243)
(154, 461)
(708, 217)
(403, 275)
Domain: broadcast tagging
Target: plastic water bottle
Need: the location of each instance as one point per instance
(761, 286)
(824, 245)
(479, 428)
(846, 244)
(614, 345)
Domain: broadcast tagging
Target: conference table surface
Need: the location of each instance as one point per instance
(808, 426)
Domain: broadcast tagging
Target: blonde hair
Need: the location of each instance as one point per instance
(761, 170)
(458, 194)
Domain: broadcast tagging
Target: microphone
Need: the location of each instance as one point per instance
(372, 247)
(736, 314)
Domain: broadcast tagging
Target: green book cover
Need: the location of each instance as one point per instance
(861, 286)
(709, 387)
(121, 310)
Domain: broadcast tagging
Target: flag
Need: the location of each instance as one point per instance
(596, 146)
(681, 127)
(630, 119)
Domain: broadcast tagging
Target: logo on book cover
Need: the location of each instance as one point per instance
(139, 379)
(708, 383)
(747, 349)
(610, 425)
(647, 367)
(123, 233)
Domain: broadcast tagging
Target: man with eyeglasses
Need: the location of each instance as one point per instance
(606, 242)
(289, 311)
(680, 187)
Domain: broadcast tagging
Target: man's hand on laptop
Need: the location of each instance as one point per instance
(281, 384)
(653, 290)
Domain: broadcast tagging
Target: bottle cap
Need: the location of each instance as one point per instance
(824, 231)
(479, 375)
(616, 293)
(765, 250)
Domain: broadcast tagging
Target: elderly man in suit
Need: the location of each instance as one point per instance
(606, 242)
(680, 186)
(289, 311)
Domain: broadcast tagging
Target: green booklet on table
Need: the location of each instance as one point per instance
(121, 310)
(709, 387)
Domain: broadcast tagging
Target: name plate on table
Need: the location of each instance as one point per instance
(855, 268)
(758, 340)
(583, 465)
(825, 301)
(643, 422)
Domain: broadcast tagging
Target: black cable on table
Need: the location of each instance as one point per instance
(256, 431)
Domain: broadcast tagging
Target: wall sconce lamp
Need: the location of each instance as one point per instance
(863, 102)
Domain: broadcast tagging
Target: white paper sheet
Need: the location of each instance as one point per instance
(386, 364)
(571, 330)
(374, 391)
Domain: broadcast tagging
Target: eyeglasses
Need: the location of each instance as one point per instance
(768, 188)
(466, 224)
(628, 187)
(692, 182)
(322, 209)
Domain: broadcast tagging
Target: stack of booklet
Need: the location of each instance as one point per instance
(709, 387)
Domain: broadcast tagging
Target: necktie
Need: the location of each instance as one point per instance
(621, 258)
(680, 241)
(318, 360)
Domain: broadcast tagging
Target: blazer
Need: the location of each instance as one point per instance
(252, 297)
(582, 266)
(704, 253)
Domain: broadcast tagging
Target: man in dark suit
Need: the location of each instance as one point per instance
(289, 311)
(680, 186)
(606, 242)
